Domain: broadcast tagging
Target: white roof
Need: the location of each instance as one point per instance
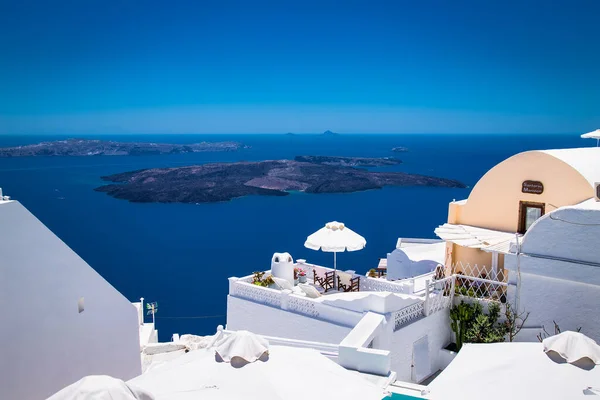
(289, 373)
(516, 371)
(585, 160)
(477, 238)
(101, 387)
(420, 251)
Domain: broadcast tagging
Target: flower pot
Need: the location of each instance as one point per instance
(302, 279)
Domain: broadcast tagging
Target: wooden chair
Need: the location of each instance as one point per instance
(326, 282)
(351, 285)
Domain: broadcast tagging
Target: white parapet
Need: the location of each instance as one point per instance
(355, 350)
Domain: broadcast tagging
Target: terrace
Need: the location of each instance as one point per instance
(369, 317)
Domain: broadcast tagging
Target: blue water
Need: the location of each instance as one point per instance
(398, 396)
(181, 255)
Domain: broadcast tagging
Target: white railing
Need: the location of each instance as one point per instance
(302, 305)
(408, 314)
(479, 271)
(439, 295)
(382, 285)
(258, 294)
(286, 300)
(480, 288)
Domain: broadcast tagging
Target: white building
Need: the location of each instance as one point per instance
(527, 235)
(60, 319)
(414, 257)
(386, 328)
(556, 271)
(532, 220)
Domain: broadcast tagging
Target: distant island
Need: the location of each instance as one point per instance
(225, 181)
(400, 149)
(329, 133)
(87, 147)
(349, 161)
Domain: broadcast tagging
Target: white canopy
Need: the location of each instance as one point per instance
(477, 238)
(516, 371)
(592, 135)
(335, 237)
(573, 346)
(288, 374)
(101, 387)
(244, 345)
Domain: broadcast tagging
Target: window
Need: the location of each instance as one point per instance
(528, 213)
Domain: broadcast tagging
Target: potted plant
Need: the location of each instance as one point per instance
(301, 274)
(269, 282)
(257, 279)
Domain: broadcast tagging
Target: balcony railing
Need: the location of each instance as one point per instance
(437, 295)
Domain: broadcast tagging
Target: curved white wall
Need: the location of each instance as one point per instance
(570, 233)
(45, 342)
(400, 266)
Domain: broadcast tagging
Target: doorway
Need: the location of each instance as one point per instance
(421, 365)
(529, 212)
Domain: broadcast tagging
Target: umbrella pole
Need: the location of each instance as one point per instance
(334, 269)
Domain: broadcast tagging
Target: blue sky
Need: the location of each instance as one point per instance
(301, 66)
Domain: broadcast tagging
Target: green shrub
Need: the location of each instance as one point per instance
(471, 325)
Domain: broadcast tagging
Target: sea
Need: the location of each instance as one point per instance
(180, 255)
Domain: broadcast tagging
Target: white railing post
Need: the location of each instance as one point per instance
(426, 308)
(412, 286)
(285, 296)
(141, 313)
(232, 282)
(452, 290)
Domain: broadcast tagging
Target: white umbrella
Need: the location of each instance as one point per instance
(244, 345)
(335, 237)
(573, 346)
(593, 135)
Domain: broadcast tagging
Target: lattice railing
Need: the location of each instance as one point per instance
(479, 288)
(408, 315)
(479, 271)
(382, 285)
(439, 294)
(303, 306)
(257, 294)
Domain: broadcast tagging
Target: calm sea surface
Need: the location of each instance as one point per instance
(181, 255)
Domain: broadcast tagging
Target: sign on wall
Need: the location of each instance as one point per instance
(533, 187)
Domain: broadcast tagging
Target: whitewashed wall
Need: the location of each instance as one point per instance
(571, 304)
(437, 329)
(569, 233)
(45, 342)
(560, 271)
(265, 320)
